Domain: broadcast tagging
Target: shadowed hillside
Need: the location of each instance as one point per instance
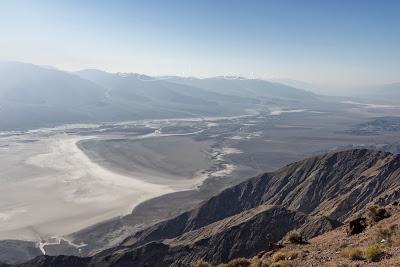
(314, 195)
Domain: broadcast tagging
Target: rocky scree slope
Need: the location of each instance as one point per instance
(314, 195)
(377, 245)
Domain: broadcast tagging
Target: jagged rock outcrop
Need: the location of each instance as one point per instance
(356, 226)
(314, 195)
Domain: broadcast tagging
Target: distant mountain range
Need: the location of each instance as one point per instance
(243, 87)
(314, 195)
(384, 94)
(390, 90)
(32, 96)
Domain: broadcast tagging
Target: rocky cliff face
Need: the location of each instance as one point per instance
(235, 236)
(314, 195)
(333, 185)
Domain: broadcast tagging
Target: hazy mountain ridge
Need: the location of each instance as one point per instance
(32, 96)
(29, 84)
(136, 87)
(377, 126)
(248, 87)
(393, 88)
(381, 94)
(317, 192)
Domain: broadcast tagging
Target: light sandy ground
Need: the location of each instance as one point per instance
(173, 160)
(55, 181)
(50, 187)
(276, 112)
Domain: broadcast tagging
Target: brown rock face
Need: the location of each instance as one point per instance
(314, 195)
(356, 226)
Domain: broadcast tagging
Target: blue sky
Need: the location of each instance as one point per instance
(329, 42)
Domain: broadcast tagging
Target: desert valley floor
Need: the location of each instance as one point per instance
(74, 176)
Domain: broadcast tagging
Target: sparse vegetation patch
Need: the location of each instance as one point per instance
(373, 252)
(376, 213)
(352, 253)
(294, 237)
(278, 256)
(239, 262)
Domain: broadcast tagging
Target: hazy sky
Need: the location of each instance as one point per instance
(331, 42)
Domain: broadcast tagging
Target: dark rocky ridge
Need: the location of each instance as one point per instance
(313, 195)
(15, 251)
(235, 236)
(335, 185)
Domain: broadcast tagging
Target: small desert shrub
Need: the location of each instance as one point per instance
(373, 252)
(284, 263)
(291, 255)
(376, 213)
(294, 237)
(201, 263)
(259, 262)
(352, 253)
(285, 254)
(239, 262)
(278, 256)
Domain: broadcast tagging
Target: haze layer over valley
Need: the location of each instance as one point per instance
(133, 150)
